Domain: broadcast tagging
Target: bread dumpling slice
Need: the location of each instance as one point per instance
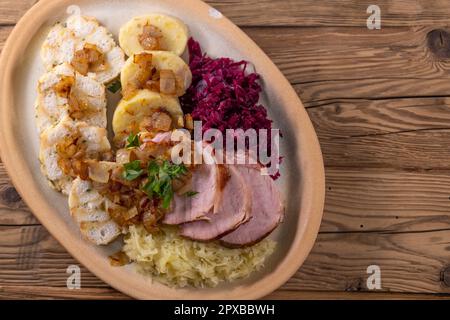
(63, 92)
(89, 209)
(158, 71)
(154, 32)
(130, 115)
(84, 43)
(65, 147)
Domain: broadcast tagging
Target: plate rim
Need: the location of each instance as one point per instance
(311, 166)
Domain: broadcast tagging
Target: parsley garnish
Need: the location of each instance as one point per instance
(132, 170)
(133, 141)
(115, 86)
(191, 193)
(160, 176)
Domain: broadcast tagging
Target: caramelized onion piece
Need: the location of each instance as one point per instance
(144, 62)
(99, 171)
(150, 38)
(157, 121)
(80, 169)
(64, 86)
(119, 259)
(167, 82)
(90, 58)
(188, 121)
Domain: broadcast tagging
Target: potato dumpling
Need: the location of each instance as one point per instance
(154, 32)
(131, 114)
(158, 71)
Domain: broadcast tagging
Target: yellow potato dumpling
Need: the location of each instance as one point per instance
(154, 32)
(162, 62)
(130, 113)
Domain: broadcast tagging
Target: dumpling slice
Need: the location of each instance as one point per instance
(146, 107)
(65, 147)
(63, 92)
(158, 71)
(84, 43)
(89, 209)
(154, 32)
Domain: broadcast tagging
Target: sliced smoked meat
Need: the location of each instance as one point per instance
(205, 181)
(233, 209)
(267, 210)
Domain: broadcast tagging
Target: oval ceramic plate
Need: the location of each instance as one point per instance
(302, 181)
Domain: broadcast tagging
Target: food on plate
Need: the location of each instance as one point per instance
(179, 262)
(153, 32)
(207, 180)
(146, 110)
(84, 43)
(63, 92)
(183, 223)
(90, 210)
(64, 148)
(224, 94)
(159, 71)
(266, 213)
(231, 211)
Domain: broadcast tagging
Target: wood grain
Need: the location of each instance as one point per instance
(310, 13)
(379, 101)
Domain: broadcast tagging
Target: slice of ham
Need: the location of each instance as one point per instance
(267, 210)
(205, 181)
(233, 209)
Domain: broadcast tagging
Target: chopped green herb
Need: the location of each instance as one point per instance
(191, 193)
(115, 86)
(132, 170)
(160, 176)
(133, 141)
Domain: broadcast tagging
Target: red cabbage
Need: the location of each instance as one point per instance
(222, 95)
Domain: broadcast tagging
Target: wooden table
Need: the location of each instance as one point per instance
(379, 101)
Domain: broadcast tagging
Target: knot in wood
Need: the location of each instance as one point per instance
(438, 42)
(10, 195)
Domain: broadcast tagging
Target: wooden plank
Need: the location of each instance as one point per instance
(410, 133)
(352, 118)
(47, 292)
(332, 13)
(385, 200)
(12, 11)
(41, 292)
(349, 295)
(411, 262)
(325, 92)
(416, 150)
(13, 211)
(301, 13)
(315, 54)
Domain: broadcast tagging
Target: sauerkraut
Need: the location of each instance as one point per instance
(179, 262)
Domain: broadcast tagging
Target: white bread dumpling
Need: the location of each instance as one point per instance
(130, 113)
(89, 209)
(160, 61)
(154, 32)
(63, 92)
(67, 144)
(79, 39)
